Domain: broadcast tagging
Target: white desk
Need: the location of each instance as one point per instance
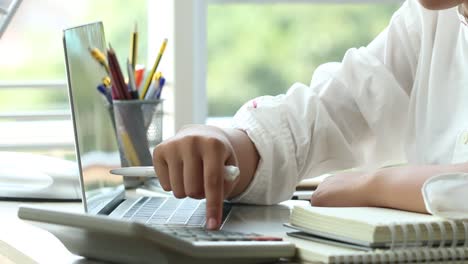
(37, 245)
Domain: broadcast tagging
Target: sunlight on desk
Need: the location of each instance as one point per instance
(21, 242)
(9, 254)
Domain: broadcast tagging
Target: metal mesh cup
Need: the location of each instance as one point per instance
(138, 126)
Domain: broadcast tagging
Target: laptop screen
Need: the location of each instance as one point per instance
(95, 140)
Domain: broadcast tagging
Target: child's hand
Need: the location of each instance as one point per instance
(344, 190)
(192, 164)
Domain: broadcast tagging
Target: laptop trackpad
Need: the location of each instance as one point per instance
(266, 220)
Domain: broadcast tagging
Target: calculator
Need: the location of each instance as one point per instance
(122, 241)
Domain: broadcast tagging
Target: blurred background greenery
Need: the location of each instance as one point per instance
(32, 49)
(262, 49)
(253, 49)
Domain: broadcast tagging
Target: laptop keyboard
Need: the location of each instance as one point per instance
(184, 219)
(158, 211)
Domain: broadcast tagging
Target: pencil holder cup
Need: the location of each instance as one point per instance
(138, 126)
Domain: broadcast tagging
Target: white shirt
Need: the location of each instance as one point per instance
(403, 98)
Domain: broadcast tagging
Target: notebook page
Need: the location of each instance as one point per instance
(370, 215)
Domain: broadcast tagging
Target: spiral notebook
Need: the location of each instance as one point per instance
(316, 251)
(375, 234)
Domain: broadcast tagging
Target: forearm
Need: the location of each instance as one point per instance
(247, 158)
(400, 187)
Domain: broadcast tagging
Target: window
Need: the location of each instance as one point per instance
(32, 71)
(221, 53)
(258, 49)
(225, 52)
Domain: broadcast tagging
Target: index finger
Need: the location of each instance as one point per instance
(214, 192)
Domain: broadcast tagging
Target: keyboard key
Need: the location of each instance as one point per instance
(157, 211)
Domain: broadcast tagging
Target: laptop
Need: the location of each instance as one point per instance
(137, 229)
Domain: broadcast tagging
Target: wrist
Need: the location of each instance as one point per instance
(375, 185)
(247, 158)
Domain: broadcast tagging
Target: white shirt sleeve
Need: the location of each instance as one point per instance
(445, 195)
(353, 113)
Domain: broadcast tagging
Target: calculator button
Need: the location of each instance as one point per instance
(200, 234)
(266, 238)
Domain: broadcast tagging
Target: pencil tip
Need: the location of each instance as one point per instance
(136, 27)
(110, 47)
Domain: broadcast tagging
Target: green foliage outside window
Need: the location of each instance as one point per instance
(253, 49)
(40, 34)
(261, 49)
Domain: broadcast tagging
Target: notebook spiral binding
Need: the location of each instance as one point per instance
(403, 250)
(446, 245)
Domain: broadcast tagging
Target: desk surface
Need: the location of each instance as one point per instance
(36, 244)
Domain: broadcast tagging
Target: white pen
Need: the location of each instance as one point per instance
(230, 172)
